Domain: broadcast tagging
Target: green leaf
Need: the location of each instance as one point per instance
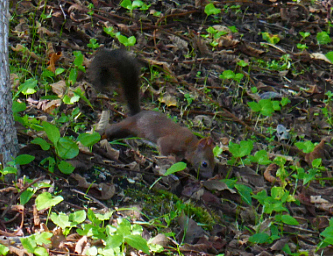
(41, 251)
(210, 9)
(109, 31)
(126, 4)
(254, 106)
(259, 238)
(242, 64)
(316, 163)
(73, 76)
(61, 220)
(28, 87)
(3, 250)
(329, 56)
(18, 107)
(266, 107)
(306, 147)
(114, 241)
(227, 74)
(65, 167)
(217, 150)
(24, 159)
(273, 39)
(8, 170)
(26, 196)
(59, 71)
(79, 216)
(261, 196)
(42, 143)
(52, 132)
(323, 38)
(79, 58)
(88, 139)
(242, 149)
(29, 243)
(43, 238)
(175, 168)
(81, 94)
(137, 4)
(131, 41)
(45, 200)
(285, 101)
(289, 220)
(276, 105)
(137, 242)
(261, 157)
(66, 148)
(245, 193)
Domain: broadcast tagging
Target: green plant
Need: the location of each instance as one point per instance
(177, 167)
(302, 47)
(323, 38)
(272, 39)
(327, 236)
(115, 238)
(265, 107)
(90, 7)
(64, 147)
(129, 5)
(229, 74)
(11, 166)
(93, 43)
(304, 35)
(239, 151)
(36, 243)
(210, 9)
(312, 174)
(126, 41)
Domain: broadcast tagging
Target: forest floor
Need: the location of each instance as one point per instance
(256, 76)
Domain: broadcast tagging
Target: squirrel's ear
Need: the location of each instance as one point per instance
(206, 142)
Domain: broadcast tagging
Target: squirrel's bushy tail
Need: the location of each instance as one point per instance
(117, 68)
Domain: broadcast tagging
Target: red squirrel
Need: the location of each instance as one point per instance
(117, 68)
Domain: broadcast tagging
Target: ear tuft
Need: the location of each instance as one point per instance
(206, 142)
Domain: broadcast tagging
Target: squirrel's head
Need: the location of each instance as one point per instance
(203, 158)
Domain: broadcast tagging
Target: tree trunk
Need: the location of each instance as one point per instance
(8, 137)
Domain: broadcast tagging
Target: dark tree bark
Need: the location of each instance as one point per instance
(8, 137)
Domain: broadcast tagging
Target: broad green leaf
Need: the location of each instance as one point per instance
(66, 148)
(287, 219)
(41, 251)
(46, 200)
(26, 196)
(43, 238)
(61, 220)
(88, 139)
(24, 159)
(245, 193)
(65, 167)
(28, 87)
(137, 242)
(18, 107)
(211, 9)
(29, 243)
(52, 132)
(42, 143)
(323, 38)
(255, 107)
(329, 56)
(259, 238)
(3, 249)
(175, 168)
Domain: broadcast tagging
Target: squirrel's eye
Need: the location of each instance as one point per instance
(204, 164)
